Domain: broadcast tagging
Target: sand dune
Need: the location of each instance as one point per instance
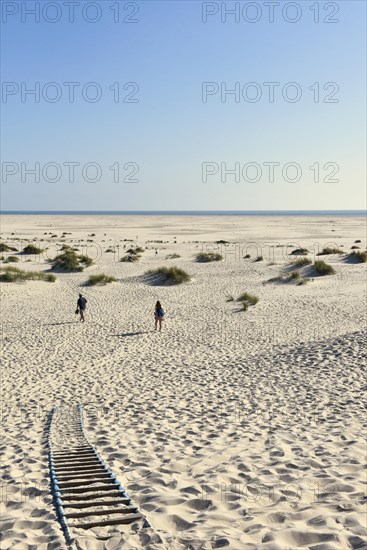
(230, 429)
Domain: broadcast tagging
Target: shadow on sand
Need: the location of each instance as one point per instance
(124, 334)
(62, 323)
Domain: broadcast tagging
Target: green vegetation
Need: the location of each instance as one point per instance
(5, 248)
(169, 275)
(302, 262)
(355, 247)
(100, 279)
(209, 257)
(358, 241)
(295, 275)
(109, 250)
(131, 258)
(13, 274)
(132, 254)
(259, 259)
(68, 247)
(32, 249)
(86, 260)
(250, 298)
(358, 257)
(12, 259)
(172, 256)
(247, 300)
(327, 251)
(300, 252)
(323, 269)
(69, 261)
(136, 250)
(247, 257)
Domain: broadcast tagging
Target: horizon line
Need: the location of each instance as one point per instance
(364, 211)
(185, 212)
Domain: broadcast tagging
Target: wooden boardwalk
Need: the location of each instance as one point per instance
(86, 492)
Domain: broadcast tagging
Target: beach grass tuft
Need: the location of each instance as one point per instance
(327, 251)
(302, 262)
(323, 268)
(131, 258)
(5, 248)
(358, 257)
(299, 252)
(71, 262)
(12, 259)
(247, 300)
(100, 279)
(13, 274)
(32, 249)
(169, 275)
(209, 257)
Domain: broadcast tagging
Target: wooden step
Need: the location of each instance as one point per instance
(124, 510)
(115, 502)
(117, 521)
(69, 495)
(70, 490)
(69, 484)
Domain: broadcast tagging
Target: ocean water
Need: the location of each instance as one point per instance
(188, 212)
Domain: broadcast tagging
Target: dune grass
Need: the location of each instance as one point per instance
(247, 300)
(131, 258)
(5, 248)
(172, 256)
(295, 275)
(323, 268)
(169, 275)
(299, 252)
(358, 257)
(32, 249)
(13, 274)
(259, 259)
(302, 262)
(136, 250)
(100, 279)
(12, 259)
(71, 262)
(327, 251)
(209, 257)
(86, 260)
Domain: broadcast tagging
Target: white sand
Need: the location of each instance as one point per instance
(229, 429)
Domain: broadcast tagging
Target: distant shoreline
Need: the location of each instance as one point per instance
(185, 213)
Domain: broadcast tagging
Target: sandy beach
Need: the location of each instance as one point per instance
(230, 428)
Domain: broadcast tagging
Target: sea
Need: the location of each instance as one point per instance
(185, 212)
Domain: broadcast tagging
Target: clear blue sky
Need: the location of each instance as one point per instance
(170, 132)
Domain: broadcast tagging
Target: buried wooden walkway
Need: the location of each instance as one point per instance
(86, 492)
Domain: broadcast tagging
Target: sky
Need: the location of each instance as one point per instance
(132, 106)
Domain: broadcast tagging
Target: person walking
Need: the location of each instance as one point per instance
(158, 316)
(81, 306)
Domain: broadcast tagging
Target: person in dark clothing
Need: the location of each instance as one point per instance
(81, 305)
(158, 316)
